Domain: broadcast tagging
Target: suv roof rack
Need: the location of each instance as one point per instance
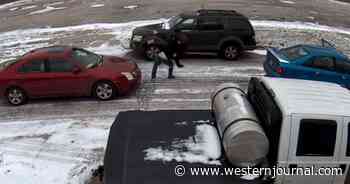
(216, 12)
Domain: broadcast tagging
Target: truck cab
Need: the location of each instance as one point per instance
(307, 125)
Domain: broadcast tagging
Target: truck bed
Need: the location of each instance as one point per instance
(133, 132)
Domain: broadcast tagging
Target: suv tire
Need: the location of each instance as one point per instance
(230, 51)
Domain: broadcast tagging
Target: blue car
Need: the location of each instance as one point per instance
(309, 62)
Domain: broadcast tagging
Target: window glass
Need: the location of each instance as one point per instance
(210, 23)
(188, 22)
(316, 137)
(325, 63)
(60, 65)
(343, 67)
(294, 52)
(86, 58)
(33, 66)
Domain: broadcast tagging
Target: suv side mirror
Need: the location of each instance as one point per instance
(76, 70)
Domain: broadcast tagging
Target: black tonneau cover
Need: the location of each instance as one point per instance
(135, 131)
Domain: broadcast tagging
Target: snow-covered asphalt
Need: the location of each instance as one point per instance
(61, 140)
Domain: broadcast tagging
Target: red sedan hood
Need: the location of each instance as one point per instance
(117, 64)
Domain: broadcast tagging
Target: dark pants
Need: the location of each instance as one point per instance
(158, 61)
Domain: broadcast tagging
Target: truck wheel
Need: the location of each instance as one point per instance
(230, 51)
(16, 96)
(151, 51)
(104, 90)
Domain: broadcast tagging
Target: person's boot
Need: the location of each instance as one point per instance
(171, 76)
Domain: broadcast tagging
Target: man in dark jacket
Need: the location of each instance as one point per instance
(171, 51)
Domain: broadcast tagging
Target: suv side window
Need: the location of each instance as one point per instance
(32, 66)
(324, 63)
(210, 23)
(60, 65)
(186, 24)
(342, 66)
(316, 137)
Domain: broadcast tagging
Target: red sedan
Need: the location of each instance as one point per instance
(66, 71)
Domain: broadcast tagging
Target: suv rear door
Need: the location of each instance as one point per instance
(314, 142)
(210, 32)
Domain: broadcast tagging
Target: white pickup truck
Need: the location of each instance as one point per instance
(306, 124)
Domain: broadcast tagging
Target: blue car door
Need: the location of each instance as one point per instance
(343, 68)
(322, 68)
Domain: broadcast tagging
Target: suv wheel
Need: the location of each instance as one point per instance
(230, 51)
(151, 51)
(104, 90)
(16, 96)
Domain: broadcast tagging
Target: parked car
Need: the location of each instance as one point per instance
(66, 71)
(224, 31)
(321, 63)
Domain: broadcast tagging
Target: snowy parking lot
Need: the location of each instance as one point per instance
(60, 141)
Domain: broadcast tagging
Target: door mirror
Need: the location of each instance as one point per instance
(76, 69)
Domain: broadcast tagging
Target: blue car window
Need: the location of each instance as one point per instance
(294, 53)
(343, 66)
(324, 63)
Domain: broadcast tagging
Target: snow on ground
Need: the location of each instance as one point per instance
(204, 147)
(97, 5)
(31, 149)
(15, 4)
(131, 7)
(46, 10)
(51, 151)
(287, 2)
(15, 43)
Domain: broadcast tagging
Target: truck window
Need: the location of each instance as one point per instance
(316, 137)
(268, 113)
(210, 23)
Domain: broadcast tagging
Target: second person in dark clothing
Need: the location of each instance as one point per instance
(171, 51)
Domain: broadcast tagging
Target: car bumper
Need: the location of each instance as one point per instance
(132, 85)
(269, 71)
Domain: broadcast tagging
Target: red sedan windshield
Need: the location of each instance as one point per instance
(86, 58)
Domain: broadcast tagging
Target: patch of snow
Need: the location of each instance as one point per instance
(14, 9)
(287, 2)
(250, 177)
(205, 149)
(46, 10)
(107, 49)
(15, 4)
(97, 5)
(29, 7)
(339, 2)
(259, 52)
(180, 91)
(178, 100)
(131, 7)
(183, 123)
(51, 151)
(299, 25)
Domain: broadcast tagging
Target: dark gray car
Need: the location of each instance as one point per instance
(226, 32)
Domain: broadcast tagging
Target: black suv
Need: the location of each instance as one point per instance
(224, 31)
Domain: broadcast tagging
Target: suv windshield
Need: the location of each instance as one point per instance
(6, 64)
(294, 52)
(86, 58)
(172, 22)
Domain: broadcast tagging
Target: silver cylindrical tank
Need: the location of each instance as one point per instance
(243, 139)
